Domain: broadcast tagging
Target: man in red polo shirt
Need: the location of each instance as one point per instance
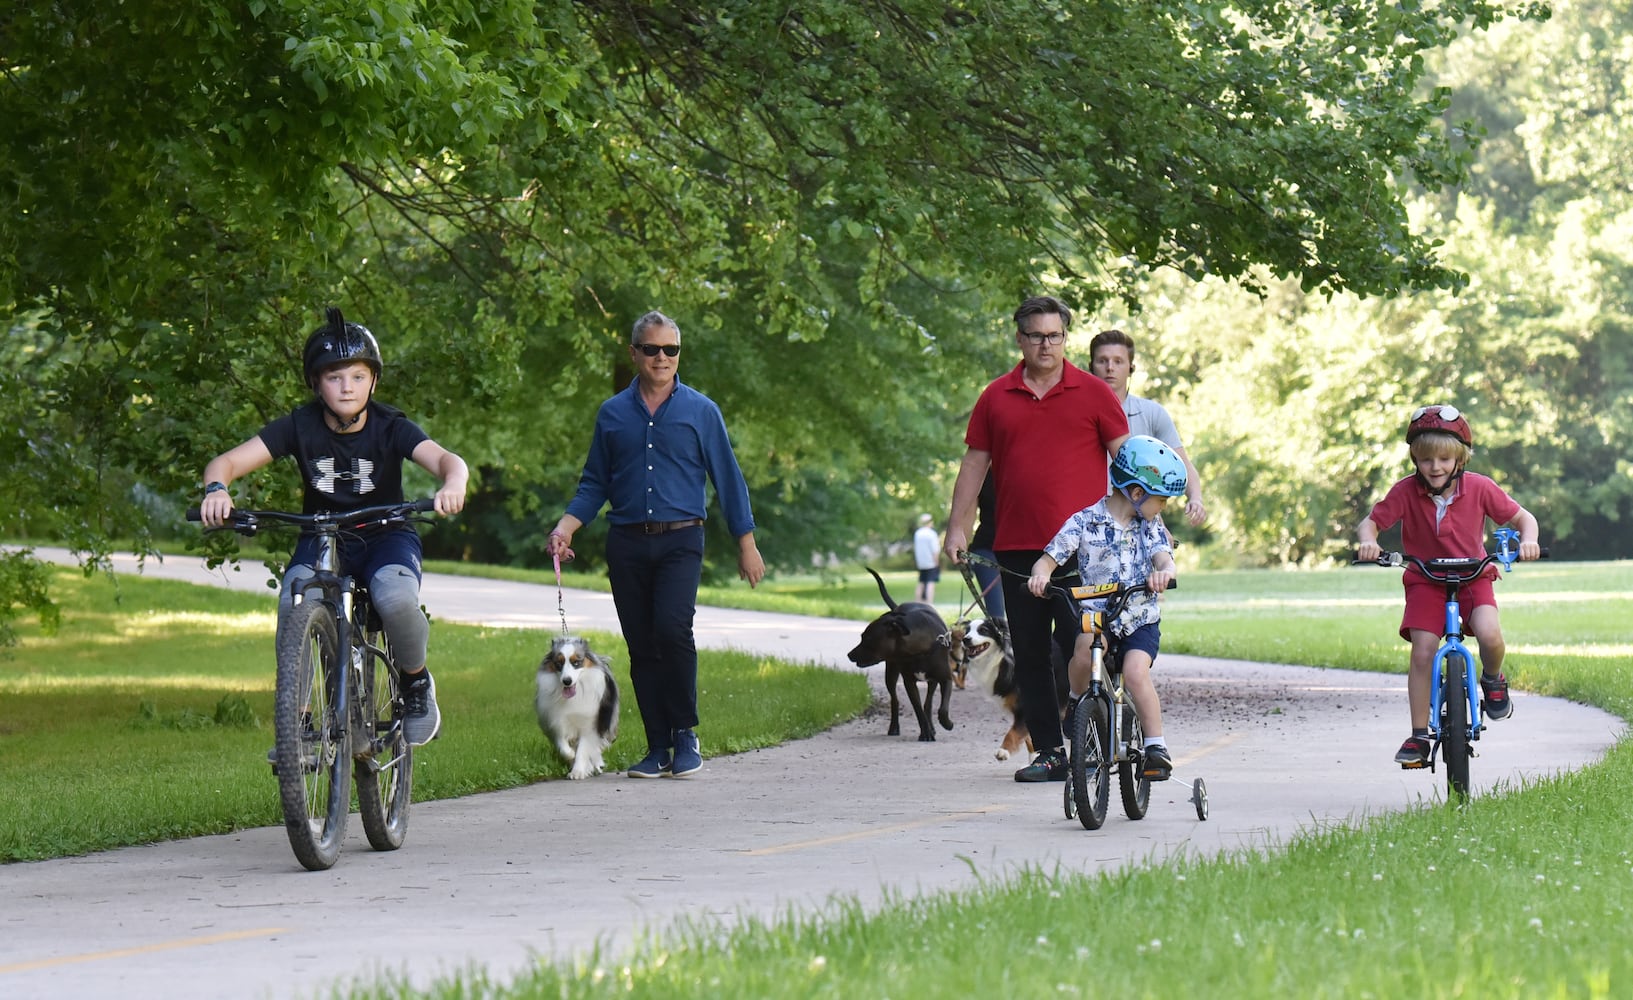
(1045, 429)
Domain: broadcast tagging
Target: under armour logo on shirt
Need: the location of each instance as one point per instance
(327, 478)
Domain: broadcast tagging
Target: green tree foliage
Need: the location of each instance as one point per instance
(840, 201)
(1298, 408)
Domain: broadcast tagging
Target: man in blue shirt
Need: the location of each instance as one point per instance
(654, 445)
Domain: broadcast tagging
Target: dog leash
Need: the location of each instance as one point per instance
(561, 599)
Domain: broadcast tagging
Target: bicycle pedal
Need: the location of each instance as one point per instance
(1416, 766)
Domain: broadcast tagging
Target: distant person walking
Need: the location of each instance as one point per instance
(927, 557)
(1111, 358)
(1046, 430)
(656, 446)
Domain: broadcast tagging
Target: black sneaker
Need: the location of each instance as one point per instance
(422, 720)
(1497, 704)
(1414, 753)
(1158, 765)
(1047, 766)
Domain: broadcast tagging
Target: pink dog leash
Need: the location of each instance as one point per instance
(561, 600)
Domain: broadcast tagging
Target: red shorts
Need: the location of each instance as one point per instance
(1426, 603)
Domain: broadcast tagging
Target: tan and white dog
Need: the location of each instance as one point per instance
(577, 702)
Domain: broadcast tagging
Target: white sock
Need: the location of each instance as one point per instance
(1154, 741)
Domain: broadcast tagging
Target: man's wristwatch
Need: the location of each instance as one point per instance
(214, 488)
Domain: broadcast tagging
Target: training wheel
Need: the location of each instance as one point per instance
(1199, 795)
(1071, 803)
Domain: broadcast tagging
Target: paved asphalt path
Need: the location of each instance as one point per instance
(491, 881)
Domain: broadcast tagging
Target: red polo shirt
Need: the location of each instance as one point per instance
(1460, 534)
(1049, 454)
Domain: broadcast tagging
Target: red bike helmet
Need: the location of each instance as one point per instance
(1439, 417)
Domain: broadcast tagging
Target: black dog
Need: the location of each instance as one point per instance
(912, 641)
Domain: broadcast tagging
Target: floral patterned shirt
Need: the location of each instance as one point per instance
(1107, 552)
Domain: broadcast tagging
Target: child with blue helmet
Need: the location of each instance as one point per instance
(1122, 539)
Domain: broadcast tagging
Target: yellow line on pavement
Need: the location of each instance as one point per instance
(147, 949)
(1196, 755)
(878, 831)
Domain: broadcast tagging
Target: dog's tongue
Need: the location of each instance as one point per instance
(569, 692)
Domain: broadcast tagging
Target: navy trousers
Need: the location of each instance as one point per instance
(654, 588)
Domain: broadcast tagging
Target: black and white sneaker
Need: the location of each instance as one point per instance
(422, 720)
(1157, 766)
(1495, 698)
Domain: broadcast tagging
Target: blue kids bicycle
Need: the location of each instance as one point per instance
(1455, 715)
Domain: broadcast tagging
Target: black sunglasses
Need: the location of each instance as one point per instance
(651, 350)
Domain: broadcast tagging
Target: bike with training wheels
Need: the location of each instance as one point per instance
(1103, 730)
(1456, 716)
(338, 708)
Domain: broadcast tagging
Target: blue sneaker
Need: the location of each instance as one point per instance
(687, 756)
(655, 764)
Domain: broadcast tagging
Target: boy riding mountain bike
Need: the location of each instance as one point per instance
(1121, 539)
(1442, 509)
(350, 450)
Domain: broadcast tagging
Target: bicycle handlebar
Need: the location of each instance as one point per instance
(1453, 570)
(248, 522)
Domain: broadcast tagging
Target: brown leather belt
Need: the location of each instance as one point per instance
(659, 527)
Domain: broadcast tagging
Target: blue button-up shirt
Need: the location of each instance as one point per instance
(652, 466)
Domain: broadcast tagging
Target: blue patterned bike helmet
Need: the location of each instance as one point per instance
(1145, 462)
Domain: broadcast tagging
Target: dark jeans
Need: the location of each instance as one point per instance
(1033, 622)
(654, 587)
(987, 579)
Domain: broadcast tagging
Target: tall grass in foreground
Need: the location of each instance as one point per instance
(148, 717)
(1526, 893)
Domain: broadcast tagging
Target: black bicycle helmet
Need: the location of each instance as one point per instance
(337, 342)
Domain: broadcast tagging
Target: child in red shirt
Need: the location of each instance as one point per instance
(1442, 512)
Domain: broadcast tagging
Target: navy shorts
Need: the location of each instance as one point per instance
(363, 556)
(1146, 638)
(930, 575)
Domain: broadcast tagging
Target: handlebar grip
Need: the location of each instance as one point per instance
(193, 514)
(425, 505)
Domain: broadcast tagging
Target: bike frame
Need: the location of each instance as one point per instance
(339, 590)
(1452, 645)
(1105, 683)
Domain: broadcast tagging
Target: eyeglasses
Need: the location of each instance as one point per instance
(651, 350)
(1039, 339)
(1446, 412)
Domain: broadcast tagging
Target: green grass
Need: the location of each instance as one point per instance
(148, 717)
(1525, 893)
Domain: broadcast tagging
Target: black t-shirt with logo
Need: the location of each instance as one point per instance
(346, 471)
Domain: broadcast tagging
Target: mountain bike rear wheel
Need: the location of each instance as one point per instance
(1089, 773)
(1135, 787)
(314, 760)
(1454, 727)
(384, 777)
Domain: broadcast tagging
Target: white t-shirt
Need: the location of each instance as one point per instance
(1146, 417)
(926, 548)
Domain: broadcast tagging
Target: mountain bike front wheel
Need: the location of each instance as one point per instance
(314, 761)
